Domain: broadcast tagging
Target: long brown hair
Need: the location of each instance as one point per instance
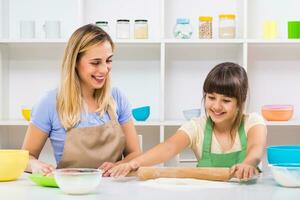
(229, 79)
(69, 99)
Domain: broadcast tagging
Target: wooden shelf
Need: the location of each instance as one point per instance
(156, 123)
(166, 41)
(174, 123)
(33, 41)
(64, 41)
(13, 123)
(293, 122)
(204, 41)
(133, 41)
(148, 123)
(277, 41)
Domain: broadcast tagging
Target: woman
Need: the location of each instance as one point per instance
(89, 124)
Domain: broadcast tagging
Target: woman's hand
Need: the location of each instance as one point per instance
(123, 169)
(243, 171)
(41, 167)
(105, 167)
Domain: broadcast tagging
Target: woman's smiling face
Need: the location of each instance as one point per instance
(95, 65)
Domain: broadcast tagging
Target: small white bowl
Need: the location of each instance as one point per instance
(189, 114)
(78, 180)
(287, 175)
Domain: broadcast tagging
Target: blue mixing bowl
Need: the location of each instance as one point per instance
(141, 113)
(283, 154)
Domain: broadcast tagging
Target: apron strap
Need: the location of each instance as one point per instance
(112, 115)
(206, 149)
(243, 141)
(243, 138)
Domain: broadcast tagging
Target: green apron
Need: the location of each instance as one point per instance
(209, 159)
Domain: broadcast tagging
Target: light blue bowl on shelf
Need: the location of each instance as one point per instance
(141, 113)
(191, 113)
(283, 154)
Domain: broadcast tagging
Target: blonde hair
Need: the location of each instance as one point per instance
(69, 98)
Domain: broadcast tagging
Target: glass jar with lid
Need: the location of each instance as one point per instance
(123, 29)
(141, 29)
(183, 29)
(205, 27)
(103, 25)
(227, 26)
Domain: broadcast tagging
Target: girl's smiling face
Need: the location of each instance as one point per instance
(220, 108)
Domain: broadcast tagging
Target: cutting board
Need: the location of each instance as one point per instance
(204, 173)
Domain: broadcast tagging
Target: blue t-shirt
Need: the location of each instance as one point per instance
(45, 117)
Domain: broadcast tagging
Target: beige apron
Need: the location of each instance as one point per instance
(89, 147)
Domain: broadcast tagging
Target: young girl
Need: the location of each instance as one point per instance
(88, 123)
(225, 137)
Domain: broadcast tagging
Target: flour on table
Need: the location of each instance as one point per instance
(186, 183)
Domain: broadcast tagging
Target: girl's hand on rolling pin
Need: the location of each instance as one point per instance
(244, 172)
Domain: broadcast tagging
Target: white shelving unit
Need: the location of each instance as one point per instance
(162, 72)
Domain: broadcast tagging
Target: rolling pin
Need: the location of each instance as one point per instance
(205, 173)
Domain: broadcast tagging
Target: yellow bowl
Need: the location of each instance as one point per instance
(26, 113)
(12, 163)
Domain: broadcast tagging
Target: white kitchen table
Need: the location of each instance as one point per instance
(265, 188)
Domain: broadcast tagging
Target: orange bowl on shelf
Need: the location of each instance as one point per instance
(277, 112)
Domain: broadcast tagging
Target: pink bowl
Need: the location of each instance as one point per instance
(277, 112)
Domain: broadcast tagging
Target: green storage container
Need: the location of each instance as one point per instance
(294, 29)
